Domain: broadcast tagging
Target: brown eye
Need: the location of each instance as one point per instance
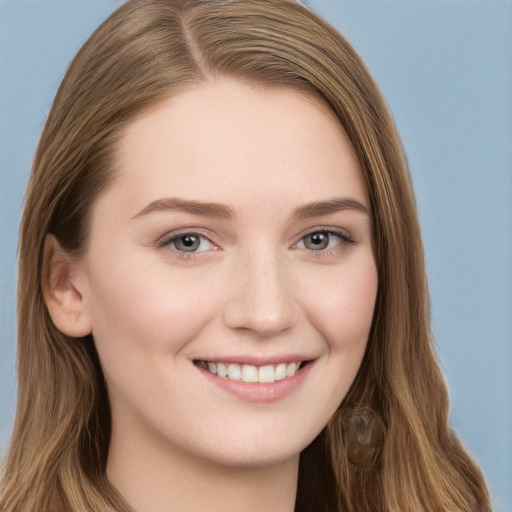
(317, 241)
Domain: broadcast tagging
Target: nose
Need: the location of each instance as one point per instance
(261, 295)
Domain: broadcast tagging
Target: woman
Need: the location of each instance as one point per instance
(171, 345)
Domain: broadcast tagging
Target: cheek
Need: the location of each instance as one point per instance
(342, 312)
(342, 307)
(145, 309)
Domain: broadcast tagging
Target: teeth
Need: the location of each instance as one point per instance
(249, 373)
(222, 371)
(291, 368)
(252, 373)
(266, 373)
(280, 371)
(234, 371)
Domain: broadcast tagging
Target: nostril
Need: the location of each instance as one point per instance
(266, 320)
(262, 298)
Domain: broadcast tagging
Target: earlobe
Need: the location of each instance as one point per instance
(61, 290)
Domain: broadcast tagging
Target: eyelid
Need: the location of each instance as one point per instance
(340, 232)
(165, 240)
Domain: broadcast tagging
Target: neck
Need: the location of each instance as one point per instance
(154, 479)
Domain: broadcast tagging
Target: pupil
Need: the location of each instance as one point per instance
(189, 241)
(318, 238)
(317, 241)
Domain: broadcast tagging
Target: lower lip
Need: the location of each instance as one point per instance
(259, 392)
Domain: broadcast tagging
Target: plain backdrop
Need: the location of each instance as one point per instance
(445, 67)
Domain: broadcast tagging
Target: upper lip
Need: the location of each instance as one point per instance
(256, 360)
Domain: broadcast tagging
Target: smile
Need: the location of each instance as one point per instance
(256, 381)
(252, 373)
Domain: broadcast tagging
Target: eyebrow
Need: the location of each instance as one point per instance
(314, 209)
(188, 206)
(319, 208)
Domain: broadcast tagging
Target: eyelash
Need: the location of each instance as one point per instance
(343, 237)
(171, 239)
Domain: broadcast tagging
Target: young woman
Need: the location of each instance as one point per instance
(222, 296)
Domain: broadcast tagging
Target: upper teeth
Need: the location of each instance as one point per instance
(251, 373)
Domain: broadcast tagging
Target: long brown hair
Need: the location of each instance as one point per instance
(410, 460)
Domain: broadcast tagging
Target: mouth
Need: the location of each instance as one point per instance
(249, 373)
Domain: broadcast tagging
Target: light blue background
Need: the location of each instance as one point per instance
(445, 68)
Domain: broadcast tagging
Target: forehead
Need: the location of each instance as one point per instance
(230, 141)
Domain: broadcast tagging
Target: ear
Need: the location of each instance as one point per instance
(62, 291)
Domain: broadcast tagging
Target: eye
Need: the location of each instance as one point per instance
(187, 242)
(322, 240)
(317, 241)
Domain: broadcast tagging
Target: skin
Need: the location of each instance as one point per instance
(255, 287)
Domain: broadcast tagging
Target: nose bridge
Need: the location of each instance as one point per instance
(261, 297)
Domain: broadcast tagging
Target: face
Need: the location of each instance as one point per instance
(229, 278)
